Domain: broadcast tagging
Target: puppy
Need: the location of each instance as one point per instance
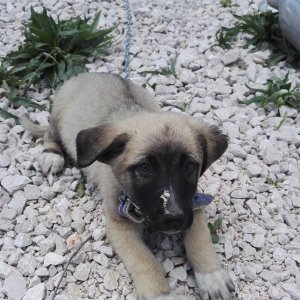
(125, 144)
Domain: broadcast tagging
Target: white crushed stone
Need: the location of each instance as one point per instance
(42, 219)
(23, 240)
(292, 289)
(36, 293)
(111, 280)
(14, 287)
(82, 272)
(179, 273)
(13, 183)
(54, 259)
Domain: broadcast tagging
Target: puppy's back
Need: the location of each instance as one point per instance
(91, 99)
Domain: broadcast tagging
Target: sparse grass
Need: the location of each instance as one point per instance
(270, 181)
(278, 92)
(14, 87)
(80, 189)
(153, 86)
(213, 229)
(282, 121)
(260, 28)
(51, 53)
(227, 3)
(186, 104)
(8, 75)
(169, 71)
(6, 115)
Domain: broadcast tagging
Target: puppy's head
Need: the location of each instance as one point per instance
(157, 160)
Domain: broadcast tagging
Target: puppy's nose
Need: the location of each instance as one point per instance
(173, 221)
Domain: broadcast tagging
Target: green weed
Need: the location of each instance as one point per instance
(260, 28)
(153, 86)
(169, 71)
(55, 51)
(282, 121)
(278, 91)
(227, 3)
(6, 115)
(80, 189)
(186, 104)
(213, 229)
(270, 181)
(14, 87)
(51, 53)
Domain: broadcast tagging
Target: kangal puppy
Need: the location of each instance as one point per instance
(127, 145)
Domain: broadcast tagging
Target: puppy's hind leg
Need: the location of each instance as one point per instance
(51, 159)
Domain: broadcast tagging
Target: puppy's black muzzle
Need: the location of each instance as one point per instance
(171, 223)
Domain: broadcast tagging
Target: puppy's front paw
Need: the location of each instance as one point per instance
(51, 162)
(216, 285)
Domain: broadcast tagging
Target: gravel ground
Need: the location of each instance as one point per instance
(42, 220)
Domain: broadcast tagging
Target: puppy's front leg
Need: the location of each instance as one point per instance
(147, 273)
(214, 282)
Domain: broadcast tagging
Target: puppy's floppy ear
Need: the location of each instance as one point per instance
(102, 143)
(213, 144)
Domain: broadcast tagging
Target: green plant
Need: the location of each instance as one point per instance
(6, 115)
(16, 97)
(51, 53)
(282, 120)
(14, 87)
(227, 3)
(270, 181)
(54, 51)
(186, 104)
(8, 75)
(80, 188)
(259, 28)
(164, 71)
(213, 228)
(278, 91)
(153, 86)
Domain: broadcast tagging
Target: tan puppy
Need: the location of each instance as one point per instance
(115, 131)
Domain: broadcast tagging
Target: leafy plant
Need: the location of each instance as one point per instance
(227, 3)
(153, 86)
(14, 88)
(213, 228)
(6, 115)
(278, 91)
(51, 53)
(186, 105)
(272, 182)
(260, 28)
(8, 75)
(169, 71)
(80, 189)
(282, 120)
(55, 51)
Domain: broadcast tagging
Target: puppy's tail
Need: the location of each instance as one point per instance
(34, 129)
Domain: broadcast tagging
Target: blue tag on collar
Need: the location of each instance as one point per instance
(201, 200)
(131, 211)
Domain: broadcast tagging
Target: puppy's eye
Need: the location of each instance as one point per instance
(145, 169)
(190, 167)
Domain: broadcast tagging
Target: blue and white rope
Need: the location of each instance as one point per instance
(127, 39)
